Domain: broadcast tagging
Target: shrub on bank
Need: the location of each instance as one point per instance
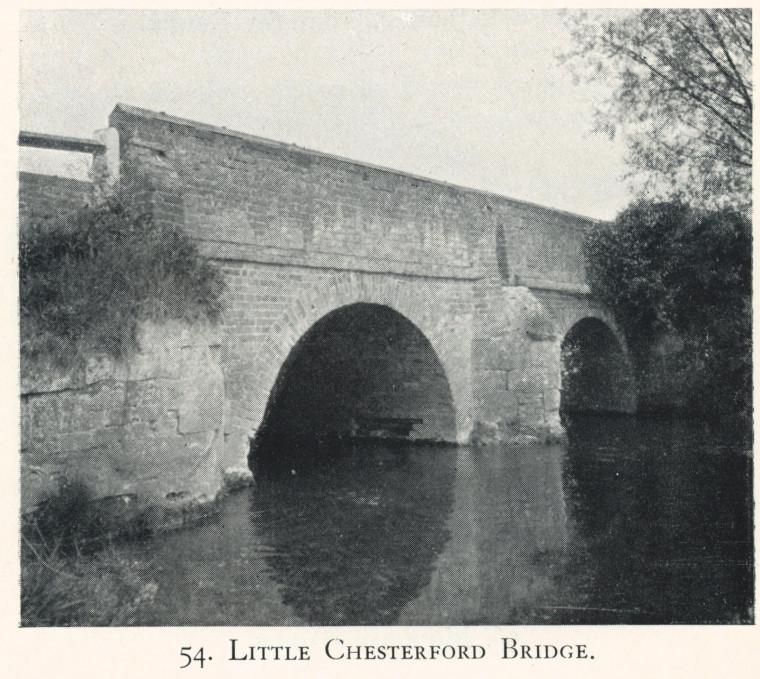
(71, 574)
(83, 590)
(666, 268)
(89, 278)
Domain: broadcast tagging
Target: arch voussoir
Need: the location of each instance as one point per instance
(330, 293)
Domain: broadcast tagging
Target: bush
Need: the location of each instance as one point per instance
(665, 268)
(64, 522)
(88, 279)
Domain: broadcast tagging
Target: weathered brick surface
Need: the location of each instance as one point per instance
(270, 308)
(43, 197)
(150, 426)
(256, 200)
(300, 234)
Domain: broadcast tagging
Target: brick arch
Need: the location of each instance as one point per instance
(570, 316)
(412, 301)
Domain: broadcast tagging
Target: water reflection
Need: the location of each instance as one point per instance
(355, 538)
(633, 522)
(664, 511)
(509, 541)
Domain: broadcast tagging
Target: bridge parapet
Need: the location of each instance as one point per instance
(251, 199)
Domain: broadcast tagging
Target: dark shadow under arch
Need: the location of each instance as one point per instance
(596, 372)
(362, 371)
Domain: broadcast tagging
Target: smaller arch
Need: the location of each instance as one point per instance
(596, 372)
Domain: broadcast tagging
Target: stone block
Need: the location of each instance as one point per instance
(74, 442)
(98, 368)
(193, 360)
(171, 363)
(551, 400)
(202, 407)
(40, 376)
(144, 401)
(144, 366)
(110, 439)
(509, 406)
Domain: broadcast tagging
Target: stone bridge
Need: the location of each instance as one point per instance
(363, 300)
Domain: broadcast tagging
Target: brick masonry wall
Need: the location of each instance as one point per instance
(270, 308)
(492, 285)
(42, 197)
(253, 199)
(516, 353)
(151, 426)
(300, 234)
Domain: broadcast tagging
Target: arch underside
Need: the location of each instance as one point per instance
(362, 371)
(423, 311)
(596, 371)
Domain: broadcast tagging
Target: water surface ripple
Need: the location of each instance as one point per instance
(633, 522)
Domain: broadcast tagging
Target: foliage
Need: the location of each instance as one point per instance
(71, 574)
(682, 96)
(78, 590)
(87, 279)
(72, 521)
(668, 268)
(64, 521)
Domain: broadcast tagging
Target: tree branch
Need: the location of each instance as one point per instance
(642, 60)
(721, 42)
(735, 79)
(735, 17)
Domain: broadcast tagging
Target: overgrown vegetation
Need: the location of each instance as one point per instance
(666, 268)
(71, 572)
(677, 264)
(89, 278)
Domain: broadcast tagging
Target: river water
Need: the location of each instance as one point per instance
(632, 522)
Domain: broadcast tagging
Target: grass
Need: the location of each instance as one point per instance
(89, 278)
(72, 573)
(87, 281)
(81, 590)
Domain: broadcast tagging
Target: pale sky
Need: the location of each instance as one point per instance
(475, 98)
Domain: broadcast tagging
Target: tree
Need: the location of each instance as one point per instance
(666, 268)
(681, 97)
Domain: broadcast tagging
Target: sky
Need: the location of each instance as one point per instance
(475, 98)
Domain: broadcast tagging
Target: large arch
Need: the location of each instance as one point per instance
(361, 371)
(432, 309)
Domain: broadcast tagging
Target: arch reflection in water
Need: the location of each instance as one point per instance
(510, 537)
(419, 535)
(664, 517)
(637, 522)
(353, 541)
